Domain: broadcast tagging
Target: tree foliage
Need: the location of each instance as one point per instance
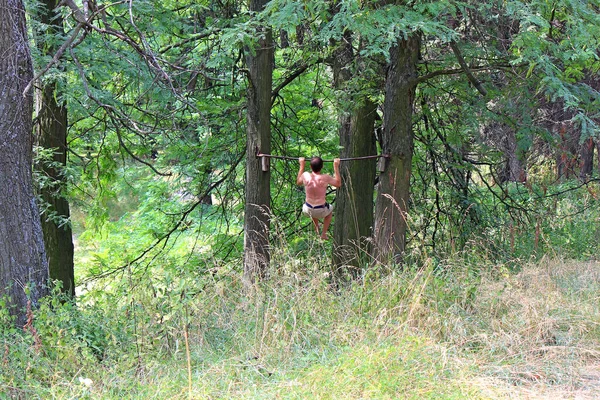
(161, 86)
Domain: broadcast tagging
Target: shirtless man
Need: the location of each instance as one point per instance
(316, 183)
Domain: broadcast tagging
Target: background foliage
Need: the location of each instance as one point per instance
(156, 103)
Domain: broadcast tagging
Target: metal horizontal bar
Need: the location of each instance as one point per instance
(325, 161)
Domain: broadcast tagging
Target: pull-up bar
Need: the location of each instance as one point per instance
(265, 159)
(325, 161)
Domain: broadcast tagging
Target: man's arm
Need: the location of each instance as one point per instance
(337, 178)
(299, 179)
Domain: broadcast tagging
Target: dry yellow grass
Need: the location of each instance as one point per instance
(542, 336)
(452, 331)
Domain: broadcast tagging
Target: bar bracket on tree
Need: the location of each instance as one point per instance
(266, 156)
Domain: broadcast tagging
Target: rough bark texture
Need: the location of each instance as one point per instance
(586, 154)
(391, 207)
(598, 158)
(514, 170)
(503, 137)
(22, 256)
(567, 151)
(51, 133)
(258, 194)
(354, 200)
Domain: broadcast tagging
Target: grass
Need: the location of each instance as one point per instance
(438, 331)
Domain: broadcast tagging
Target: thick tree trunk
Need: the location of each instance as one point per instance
(391, 207)
(258, 131)
(354, 200)
(23, 265)
(51, 133)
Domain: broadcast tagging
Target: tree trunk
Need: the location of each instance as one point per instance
(258, 194)
(586, 154)
(284, 39)
(51, 133)
(598, 158)
(566, 159)
(513, 167)
(354, 200)
(23, 265)
(391, 206)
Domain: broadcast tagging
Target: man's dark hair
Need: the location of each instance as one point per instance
(316, 164)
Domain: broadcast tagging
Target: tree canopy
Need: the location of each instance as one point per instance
(469, 100)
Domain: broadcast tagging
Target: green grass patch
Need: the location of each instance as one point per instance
(438, 331)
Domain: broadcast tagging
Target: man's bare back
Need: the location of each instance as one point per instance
(315, 185)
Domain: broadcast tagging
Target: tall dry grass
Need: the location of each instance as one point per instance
(433, 329)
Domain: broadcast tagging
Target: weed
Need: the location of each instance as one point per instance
(414, 333)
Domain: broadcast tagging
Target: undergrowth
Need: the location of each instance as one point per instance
(495, 318)
(432, 330)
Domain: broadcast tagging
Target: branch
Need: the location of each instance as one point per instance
(442, 72)
(142, 49)
(181, 220)
(136, 157)
(146, 51)
(290, 78)
(561, 192)
(113, 113)
(56, 57)
(515, 204)
(77, 13)
(80, 17)
(192, 38)
(465, 68)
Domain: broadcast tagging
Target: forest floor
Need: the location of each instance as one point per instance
(441, 332)
(559, 352)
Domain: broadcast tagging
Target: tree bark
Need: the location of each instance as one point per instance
(598, 152)
(354, 200)
(259, 60)
(567, 152)
(23, 265)
(392, 203)
(513, 170)
(586, 153)
(51, 133)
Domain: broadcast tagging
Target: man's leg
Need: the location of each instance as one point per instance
(316, 224)
(326, 223)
